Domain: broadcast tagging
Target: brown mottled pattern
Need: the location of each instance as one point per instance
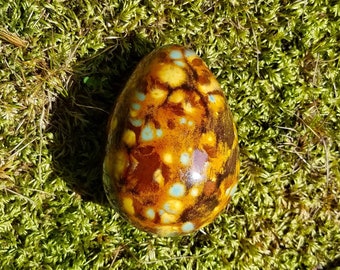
(171, 161)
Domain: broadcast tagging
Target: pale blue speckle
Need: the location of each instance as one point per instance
(234, 189)
(212, 99)
(175, 54)
(136, 122)
(189, 53)
(159, 132)
(140, 96)
(147, 134)
(185, 158)
(150, 213)
(231, 192)
(135, 106)
(188, 227)
(179, 63)
(182, 120)
(177, 190)
(190, 123)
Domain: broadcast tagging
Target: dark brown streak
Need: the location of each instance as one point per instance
(229, 167)
(193, 77)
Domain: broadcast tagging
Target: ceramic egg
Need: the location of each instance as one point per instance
(172, 158)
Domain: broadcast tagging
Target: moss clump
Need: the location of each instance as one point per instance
(62, 64)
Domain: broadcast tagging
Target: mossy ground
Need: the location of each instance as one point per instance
(278, 62)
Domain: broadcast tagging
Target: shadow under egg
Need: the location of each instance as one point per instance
(79, 118)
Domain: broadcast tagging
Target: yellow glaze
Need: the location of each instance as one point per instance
(171, 161)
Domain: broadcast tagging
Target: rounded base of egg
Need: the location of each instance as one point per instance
(172, 158)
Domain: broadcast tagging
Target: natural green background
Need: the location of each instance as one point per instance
(278, 62)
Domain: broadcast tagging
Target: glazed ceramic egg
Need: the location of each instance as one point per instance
(172, 158)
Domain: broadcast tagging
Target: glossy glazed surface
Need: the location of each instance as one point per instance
(172, 159)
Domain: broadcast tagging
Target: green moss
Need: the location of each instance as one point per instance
(278, 62)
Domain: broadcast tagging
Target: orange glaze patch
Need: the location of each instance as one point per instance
(171, 161)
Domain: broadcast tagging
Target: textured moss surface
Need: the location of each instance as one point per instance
(62, 65)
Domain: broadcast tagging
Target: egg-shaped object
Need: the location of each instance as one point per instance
(172, 158)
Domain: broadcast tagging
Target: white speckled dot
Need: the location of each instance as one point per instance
(231, 191)
(135, 106)
(183, 120)
(212, 98)
(185, 158)
(159, 132)
(179, 63)
(177, 190)
(188, 227)
(147, 133)
(150, 213)
(136, 122)
(175, 54)
(194, 192)
(140, 96)
(234, 189)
